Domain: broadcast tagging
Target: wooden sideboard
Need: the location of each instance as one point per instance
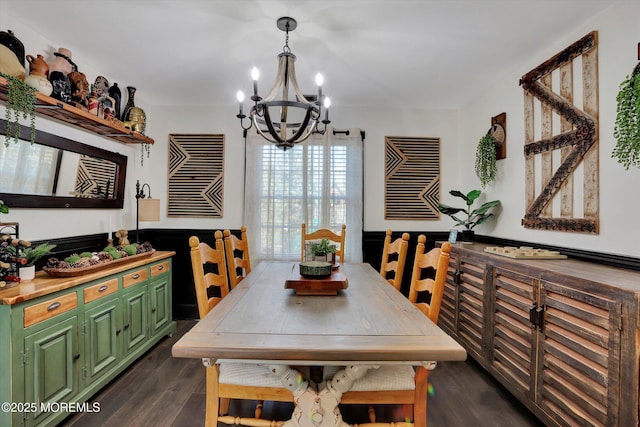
(65, 338)
(561, 335)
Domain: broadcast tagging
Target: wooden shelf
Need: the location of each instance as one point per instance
(60, 111)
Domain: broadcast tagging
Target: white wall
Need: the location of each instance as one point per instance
(617, 56)
(459, 132)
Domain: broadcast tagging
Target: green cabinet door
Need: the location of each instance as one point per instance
(136, 317)
(160, 294)
(102, 330)
(52, 366)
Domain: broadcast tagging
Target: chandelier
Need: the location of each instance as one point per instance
(278, 117)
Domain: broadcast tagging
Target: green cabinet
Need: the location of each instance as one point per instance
(66, 344)
(52, 362)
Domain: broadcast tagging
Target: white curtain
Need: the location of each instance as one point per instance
(317, 182)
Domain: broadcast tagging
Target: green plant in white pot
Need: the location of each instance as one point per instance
(470, 218)
(27, 256)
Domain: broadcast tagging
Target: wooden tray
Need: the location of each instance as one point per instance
(79, 271)
(524, 252)
(306, 286)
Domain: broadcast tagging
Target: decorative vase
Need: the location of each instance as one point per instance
(10, 65)
(62, 62)
(130, 103)
(40, 83)
(27, 273)
(9, 40)
(114, 92)
(38, 66)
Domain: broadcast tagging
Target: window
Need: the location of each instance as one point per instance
(318, 182)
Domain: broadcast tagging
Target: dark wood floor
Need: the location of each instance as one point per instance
(159, 390)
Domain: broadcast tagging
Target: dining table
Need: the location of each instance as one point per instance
(363, 326)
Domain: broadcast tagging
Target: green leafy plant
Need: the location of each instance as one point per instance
(627, 124)
(472, 217)
(21, 99)
(3, 208)
(30, 254)
(324, 247)
(486, 168)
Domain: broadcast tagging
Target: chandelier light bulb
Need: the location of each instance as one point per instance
(327, 102)
(319, 79)
(255, 73)
(240, 96)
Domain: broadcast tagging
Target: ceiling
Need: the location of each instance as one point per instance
(400, 53)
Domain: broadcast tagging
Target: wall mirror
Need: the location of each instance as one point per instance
(56, 172)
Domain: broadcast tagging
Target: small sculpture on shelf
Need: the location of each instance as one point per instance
(122, 237)
(61, 86)
(79, 90)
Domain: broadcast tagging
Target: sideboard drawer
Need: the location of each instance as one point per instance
(101, 290)
(161, 267)
(134, 277)
(46, 310)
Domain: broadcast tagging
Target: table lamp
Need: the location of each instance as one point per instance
(147, 209)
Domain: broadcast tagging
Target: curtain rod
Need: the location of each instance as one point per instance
(346, 132)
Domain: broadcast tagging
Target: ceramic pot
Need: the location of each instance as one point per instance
(10, 65)
(38, 66)
(9, 40)
(27, 273)
(40, 83)
(116, 94)
(62, 62)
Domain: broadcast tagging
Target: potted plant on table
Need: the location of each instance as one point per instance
(472, 217)
(26, 256)
(324, 251)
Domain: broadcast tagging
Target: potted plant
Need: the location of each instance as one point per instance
(472, 217)
(3, 208)
(486, 160)
(627, 124)
(26, 256)
(324, 251)
(21, 99)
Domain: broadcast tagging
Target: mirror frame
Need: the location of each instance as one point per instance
(14, 200)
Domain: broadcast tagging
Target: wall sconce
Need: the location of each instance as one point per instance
(147, 209)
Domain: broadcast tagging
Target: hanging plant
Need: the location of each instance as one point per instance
(144, 148)
(486, 160)
(627, 125)
(21, 99)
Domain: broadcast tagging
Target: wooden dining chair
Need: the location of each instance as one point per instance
(238, 259)
(325, 233)
(398, 248)
(211, 286)
(225, 381)
(399, 384)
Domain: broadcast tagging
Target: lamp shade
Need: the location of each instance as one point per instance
(149, 210)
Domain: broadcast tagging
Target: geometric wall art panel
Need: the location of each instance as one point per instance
(196, 172)
(412, 178)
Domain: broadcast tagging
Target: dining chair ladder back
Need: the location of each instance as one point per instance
(438, 260)
(398, 248)
(325, 233)
(399, 384)
(226, 381)
(204, 255)
(238, 259)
